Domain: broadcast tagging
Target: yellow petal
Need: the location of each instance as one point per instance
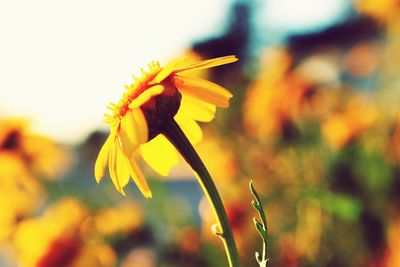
(123, 167)
(133, 131)
(204, 90)
(189, 126)
(146, 96)
(139, 179)
(166, 71)
(198, 109)
(143, 131)
(101, 161)
(160, 154)
(208, 63)
(112, 165)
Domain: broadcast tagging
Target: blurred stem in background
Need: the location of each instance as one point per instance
(176, 136)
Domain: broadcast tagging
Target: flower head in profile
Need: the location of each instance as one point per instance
(137, 121)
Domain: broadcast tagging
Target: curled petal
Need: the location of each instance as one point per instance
(166, 71)
(207, 91)
(146, 96)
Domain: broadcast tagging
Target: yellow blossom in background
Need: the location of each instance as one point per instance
(120, 219)
(47, 158)
(219, 158)
(162, 93)
(275, 98)
(20, 193)
(41, 155)
(55, 231)
(58, 238)
(24, 157)
(260, 95)
(343, 126)
(380, 9)
(99, 255)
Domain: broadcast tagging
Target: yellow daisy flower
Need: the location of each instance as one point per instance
(137, 121)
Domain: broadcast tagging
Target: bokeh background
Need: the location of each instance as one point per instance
(314, 122)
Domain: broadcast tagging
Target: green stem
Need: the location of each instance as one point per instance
(261, 227)
(176, 136)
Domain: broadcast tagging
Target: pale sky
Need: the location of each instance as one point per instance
(62, 62)
(302, 15)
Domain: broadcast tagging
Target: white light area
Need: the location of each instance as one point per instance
(62, 62)
(301, 15)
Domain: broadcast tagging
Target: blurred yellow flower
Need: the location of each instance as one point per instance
(99, 255)
(54, 239)
(55, 229)
(40, 154)
(343, 126)
(219, 158)
(20, 193)
(120, 219)
(276, 97)
(380, 9)
(162, 93)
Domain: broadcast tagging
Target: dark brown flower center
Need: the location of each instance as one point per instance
(161, 109)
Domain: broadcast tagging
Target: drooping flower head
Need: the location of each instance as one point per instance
(137, 120)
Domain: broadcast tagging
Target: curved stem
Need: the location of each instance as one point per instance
(175, 135)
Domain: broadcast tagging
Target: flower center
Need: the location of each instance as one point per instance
(157, 110)
(161, 109)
